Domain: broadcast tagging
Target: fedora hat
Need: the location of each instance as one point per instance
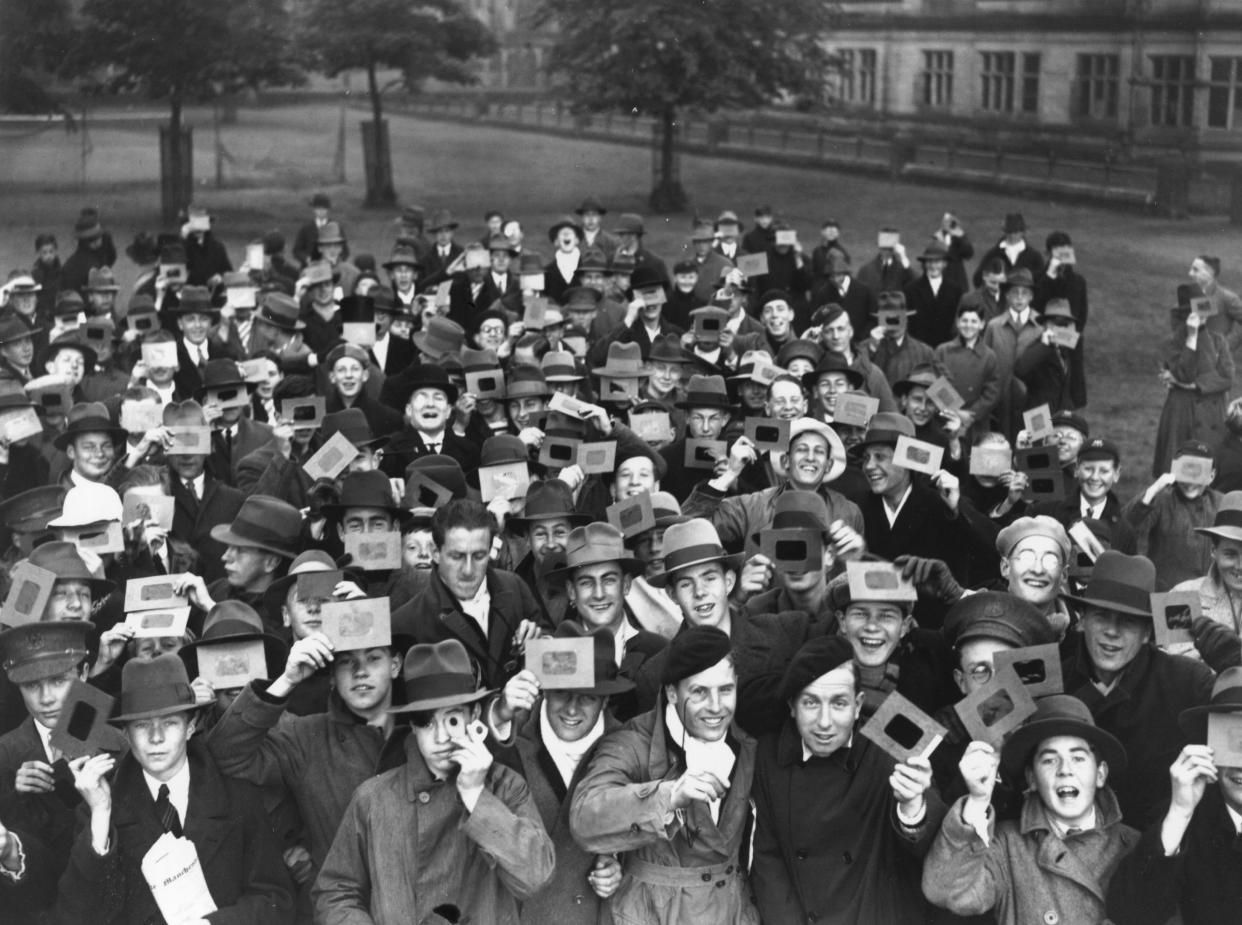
(550, 499)
(666, 348)
(706, 392)
(892, 300)
(922, 376)
(35, 651)
(624, 361)
(1226, 698)
(441, 219)
(403, 256)
(89, 418)
(313, 560)
(608, 679)
(592, 544)
(703, 231)
(72, 340)
(693, 542)
(264, 523)
(87, 226)
(560, 366)
(833, 363)
(89, 503)
(798, 510)
(13, 328)
(934, 251)
(501, 449)
(29, 511)
(799, 348)
(230, 622)
(629, 223)
(155, 687)
(364, 489)
(22, 284)
(478, 361)
(438, 675)
(530, 263)
(593, 260)
(193, 300)
(526, 382)
(727, 217)
(1057, 308)
(382, 301)
(591, 204)
(887, 427)
(353, 424)
(442, 469)
(1059, 715)
(280, 311)
(65, 562)
(1019, 277)
(331, 233)
(317, 272)
(666, 511)
(498, 242)
(68, 302)
(320, 201)
(621, 264)
(565, 221)
(1227, 524)
(100, 279)
(221, 374)
(1121, 583)
(441, 336)
(12, 395)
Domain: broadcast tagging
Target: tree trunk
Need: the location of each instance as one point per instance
(376, 149)
(176, 164)
(667, 194)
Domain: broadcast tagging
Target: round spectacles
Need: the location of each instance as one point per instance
(1026, 558)
(980, 673)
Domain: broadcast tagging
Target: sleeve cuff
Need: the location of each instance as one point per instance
(15, 875)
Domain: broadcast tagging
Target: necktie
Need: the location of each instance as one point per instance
(167, 813)
(189, 487)
(228, 444)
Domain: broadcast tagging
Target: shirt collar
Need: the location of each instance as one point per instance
(178, 788)
(1235, 817)
(807, 755)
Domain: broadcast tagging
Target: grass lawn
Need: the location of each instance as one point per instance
(1132, 263)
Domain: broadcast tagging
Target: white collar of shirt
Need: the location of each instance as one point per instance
(164, 393)
(716, 757)
(197, 351)
(807, 754)
(1236, 818)
(444, 250)
(845, 285)
(1013, 250)
(653, 331)
(44, 736)
(735, 322)
(178, 789)
(433, 441)
(1089, 510)
(567, 263)
(1062, 829)
(894, 512)
(501, 281)
(479, 606)
(1020, 318)
(199, 484)
(379, 350)
(567, 755)
(935, 283)
(320, 222)
(711, 356)
(232, 430)
(624, 634)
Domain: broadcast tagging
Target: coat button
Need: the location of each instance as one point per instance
(1051, 918)
(707, 878)
(424, 797)
(720, 883)
(578, 899)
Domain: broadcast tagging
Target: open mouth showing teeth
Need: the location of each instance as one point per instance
(1067, 793)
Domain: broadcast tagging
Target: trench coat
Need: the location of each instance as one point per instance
(1197, 413)
(407, 845)
(679, 868)
(1026, 873)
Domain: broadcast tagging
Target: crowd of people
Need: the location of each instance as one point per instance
(471, 584)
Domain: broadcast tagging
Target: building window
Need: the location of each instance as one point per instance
(856, 76)
(1097, 86)
(1225, 93)
(1001, 90)
(938, 78)
(1172, 90)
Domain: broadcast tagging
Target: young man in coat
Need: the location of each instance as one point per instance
(167, 785)
(1188, 863)
(450, 832)
(548, 737)
(1054, 863)
(672, 790)
(840, 827)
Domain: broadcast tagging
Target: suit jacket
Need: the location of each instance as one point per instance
(250, 436)
(433, 614)
(935, 320)
(1068, 512)
(1028, 257)
(306, 243)
(710, 269)
(188, 378)
(240, 857)
(464, 306)
(407, 445)
(878, 278)
(859, 303)
(192, 521)
(605, 241)
(435, 268)
(382, 419)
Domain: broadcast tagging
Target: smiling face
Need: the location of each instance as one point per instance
(828, 387)
(1227, 557)
(1113, 640)
(837, 335)
(633, 477)
(1065, 772)
(597, 593)
(363, 678)
(883, 476)
(1069, 441)
(706, 701)
(969, 325)
(436, 740)
(349, 376)
(664, 376)
(573, 715)
(194, 326)
(1034, 569)
(785, 400)
(916, 405)
(19, 352)
(92, 455)
(522, 410)
(777, 317)
(874, 629)
(427, 410)
(825, 711)
(1096, 478)
(809, 460)
(702, 592)
(548, 536)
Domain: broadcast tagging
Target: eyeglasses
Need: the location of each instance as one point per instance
(1026, 558)
(980, 672)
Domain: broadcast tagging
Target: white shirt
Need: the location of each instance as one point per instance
(165, 393)
(935, 284)
(1013, 250)
(845, 285)
(198, 486)
(734, 322)
(1089, 510)
(44, 737)
(1235, 817)
(433, 442)
(379, 350)
(197, 352)
(178, 790)
(501, 280)
(893, 513)
(1020, 318)
(623, 634)
(728, 248)
(567, 755)
(567, 263)
(479, 606)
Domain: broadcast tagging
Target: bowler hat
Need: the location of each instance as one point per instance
(800, 348)
(1226, 698)
(934, 251)
(87, 227)
(592, 544)
(193, 300)
(565, 221)
(706, 392)
(89, 418)
(727, 217)
(232, 622)
(550, 499)
(71, 340)
(1014, 222)
(221, 374)
(265, 523)
(997, 615)
(624, 361)
(441, 219)
(501, 449)
(143, 249)
(886, 427)
(629, 223)
(441, 336)
(445, 470)
(320, 201)
(364, 489)
(438, 675)
(833, 363)
(703, 231)
(154, 687)
(694, 542)
(1120, 583)
(1227, 524)
(892, 300)
(591, 204)
(34, 651)
(608, 680)
(1059, 715)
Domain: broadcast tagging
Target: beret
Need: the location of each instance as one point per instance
(348, 351)
(694, 649)
(997, 615)
(1040, 525)
(815, 659)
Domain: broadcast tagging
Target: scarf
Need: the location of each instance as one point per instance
(567, 755)
(716, 757)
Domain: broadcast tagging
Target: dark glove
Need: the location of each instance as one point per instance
(931, 576)
(1220, 646)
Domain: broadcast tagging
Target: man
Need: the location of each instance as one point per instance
(987, 299)
(489, 611)
(349, 372)
(1060, 279)
(1012, 251)
(762, 234)
(428, 402)
(644, 321)
(1133, 689)
(90, 252)
(978, 864)
(547, 520)
(591, 212)
(306, 243)
(708, 409)
(1181, 864)
(100, 293)
(550, 751)
(234, 434)
(629, 230)
(168, 785)
(652, 608)
(1097, 470)
(1009, 335)
(207, 260)
(933, 298)
(836, 335)
(815, 458)
(90, 443)
(258, 544)
(727, 230)
(889, 270)
(449, 834)
(441, 262)
(195, 316)
(958, 246)
(1034, 555)
(17, 349)
(710, 263)
(672, 790)
(825, 795)
(897, 352)
(391, 353)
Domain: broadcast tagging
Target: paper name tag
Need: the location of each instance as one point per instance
(148, 504)
(855, 410)
(303, 413)
(161, 355)
(753, 264)
(20, 424)
(703, 454)
(917, 456)
(1172, 615)
(562, 664)
(189, 440)
(331, 459)
(1038, 667)
(1038, 422)
(996, 708)
(153, 593)
(795, 551)
(507, 481)
(374, 552)
(83, 721)
(651, 426)
(138, 417)
(902, 729)
(29, 592)
(158, 624)
(767, 433)
(878, 581)
(632, 516)
(362, 623)
(230, 665)
(993, 461)
(944, 395)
